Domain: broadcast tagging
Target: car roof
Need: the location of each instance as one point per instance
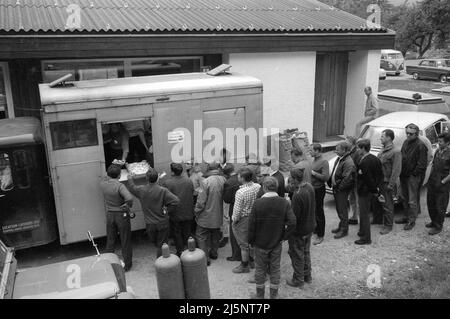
(407, 95)
(401, 119)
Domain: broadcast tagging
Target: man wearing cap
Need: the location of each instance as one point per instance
(303, 206)
(154, 201)
(118, 201)
(209, 212)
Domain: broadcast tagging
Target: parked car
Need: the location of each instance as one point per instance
(382, 74)
(430, 125)
(403, 100)
(94, 277)
(392, 62)
(436, 69)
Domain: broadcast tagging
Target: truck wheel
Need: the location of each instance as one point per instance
(443, 78)
(415, 76)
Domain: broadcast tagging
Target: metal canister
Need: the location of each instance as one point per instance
(195, 272)
(169, 275)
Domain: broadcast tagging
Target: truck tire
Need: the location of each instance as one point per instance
(415, 76)
(443, 78)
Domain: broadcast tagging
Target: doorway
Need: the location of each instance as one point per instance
(330, 95)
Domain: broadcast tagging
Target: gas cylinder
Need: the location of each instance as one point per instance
(169, 276)
(195, 272)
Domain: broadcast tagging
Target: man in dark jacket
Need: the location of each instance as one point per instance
(154, 201)
(303, 205)
(118, 201)
(414, 165)
(369, 178)
(342, 180)
(229, 191)
(438, 185)
(271, 221)
(182, 216)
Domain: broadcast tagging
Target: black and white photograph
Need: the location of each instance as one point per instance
(224, 154)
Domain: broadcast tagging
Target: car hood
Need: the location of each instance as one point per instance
(87, 278)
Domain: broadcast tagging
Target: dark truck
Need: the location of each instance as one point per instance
(436, 69)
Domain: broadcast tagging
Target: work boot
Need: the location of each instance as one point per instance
(259, 293)
(223, 242)
(386, 230)
(308, 279)
(363, 242)
(336, 230)
(429, 225)
(409, 226)
(294, 283)
(318, 241)
(273, 293)
(340, 234)
(435, 231)
(242, 269)
(401, 221)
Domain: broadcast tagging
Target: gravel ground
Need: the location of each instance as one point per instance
(339, 266)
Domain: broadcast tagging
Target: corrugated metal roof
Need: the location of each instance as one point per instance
(178, 15)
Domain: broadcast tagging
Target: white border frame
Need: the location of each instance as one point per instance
(9, 100)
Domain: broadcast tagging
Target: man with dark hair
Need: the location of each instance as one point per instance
(243, 203)
(320, 174)
(154, 201)
(438, 185)
(370, 175)
(271, 221)
(303, 206)
(391, 163)
(182, 216)
(355, 154)
(342, 181)
(209, 212)
(118, 201)
(229, 192)
(414, 165)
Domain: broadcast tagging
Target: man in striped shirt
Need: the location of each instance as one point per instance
(243, 204)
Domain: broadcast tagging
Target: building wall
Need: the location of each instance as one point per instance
(363, 71)
(288, 83)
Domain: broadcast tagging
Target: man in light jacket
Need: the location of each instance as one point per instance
(209, 212)
(391, 163)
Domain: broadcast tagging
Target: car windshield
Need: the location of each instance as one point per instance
(373, 133)
(392, 56)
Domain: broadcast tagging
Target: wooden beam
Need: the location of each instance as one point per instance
(91, 46)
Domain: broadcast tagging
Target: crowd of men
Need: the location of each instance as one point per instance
(265, 208)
